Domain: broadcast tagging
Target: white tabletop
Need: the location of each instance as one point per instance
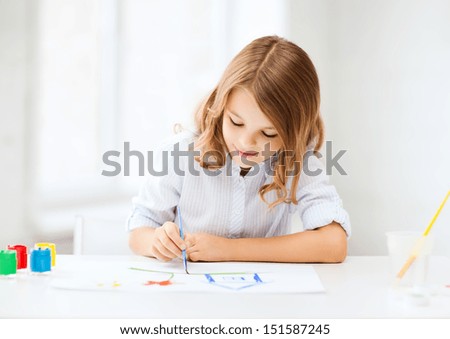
(357, 288)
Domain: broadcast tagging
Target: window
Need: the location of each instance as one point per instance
(110, 72)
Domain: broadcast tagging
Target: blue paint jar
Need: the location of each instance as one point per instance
(40, 260)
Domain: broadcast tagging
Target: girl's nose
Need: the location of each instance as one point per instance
(246, 141)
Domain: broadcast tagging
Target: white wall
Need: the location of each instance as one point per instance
(168, 66)
(13, 89)
(80, 77)
(385, 76)
(385, 79)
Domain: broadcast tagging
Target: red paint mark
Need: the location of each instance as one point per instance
(160, 283)
(448, 286)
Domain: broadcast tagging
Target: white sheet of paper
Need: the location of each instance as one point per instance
(204, 277)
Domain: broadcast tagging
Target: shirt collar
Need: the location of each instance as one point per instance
(265, 168)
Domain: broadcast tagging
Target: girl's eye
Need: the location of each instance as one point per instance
(266, 135)
(270, 136)
(235, 124)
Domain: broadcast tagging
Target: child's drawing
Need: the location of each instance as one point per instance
(234, 282)
(119, 278)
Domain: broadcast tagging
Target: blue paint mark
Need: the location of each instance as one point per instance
(257, 278)
(235, 282)
(210, 279)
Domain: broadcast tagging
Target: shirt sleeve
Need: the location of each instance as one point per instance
(318, 201)
(159, 195)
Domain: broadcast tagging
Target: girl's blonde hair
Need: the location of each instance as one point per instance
(285, 85)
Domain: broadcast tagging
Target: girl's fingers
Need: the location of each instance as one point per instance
(158, 255)
(189, 240)
(191, 249)
(167, 247)
(193, 255)
(173, 233)
(168, 243)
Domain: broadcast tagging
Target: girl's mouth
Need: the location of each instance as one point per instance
(247, 154)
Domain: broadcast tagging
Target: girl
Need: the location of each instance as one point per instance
(252, 163)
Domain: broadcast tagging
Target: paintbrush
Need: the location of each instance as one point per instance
(180, 226)
(419, 244)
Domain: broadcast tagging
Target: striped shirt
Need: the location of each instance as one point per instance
(226, 204)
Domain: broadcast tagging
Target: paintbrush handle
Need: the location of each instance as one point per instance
(183, 252)
(419, 244)
(436, 215)
(414, 254)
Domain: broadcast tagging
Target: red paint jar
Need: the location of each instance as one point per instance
(21, 255)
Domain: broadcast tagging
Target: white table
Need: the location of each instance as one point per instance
(358, 288)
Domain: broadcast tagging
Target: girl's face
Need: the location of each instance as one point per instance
(248, 133)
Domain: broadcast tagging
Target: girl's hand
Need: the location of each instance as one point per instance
(207, 247)
(167, 243)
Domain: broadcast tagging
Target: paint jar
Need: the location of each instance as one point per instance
(8, 263)
(51, 247)
(401, 246)
(40, 261)
(22, 257)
